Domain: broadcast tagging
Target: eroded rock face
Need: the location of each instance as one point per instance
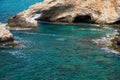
(5, 35)
(98, 11)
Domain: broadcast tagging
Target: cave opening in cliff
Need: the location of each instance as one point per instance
(85, 19)
(117, 22)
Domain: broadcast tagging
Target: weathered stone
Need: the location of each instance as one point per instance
(98, 11)
(5, 35)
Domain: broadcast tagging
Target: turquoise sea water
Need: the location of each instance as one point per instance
(55, 52)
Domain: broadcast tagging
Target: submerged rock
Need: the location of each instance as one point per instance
(106, 41)
(96, 11)
(110, 41)
(116, 42)
(5, 35)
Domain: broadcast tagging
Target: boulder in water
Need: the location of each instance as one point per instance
(5, 35)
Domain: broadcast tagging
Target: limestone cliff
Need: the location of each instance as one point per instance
(98, 11)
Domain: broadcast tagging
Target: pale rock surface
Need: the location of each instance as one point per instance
(98, 11)
(5, 35)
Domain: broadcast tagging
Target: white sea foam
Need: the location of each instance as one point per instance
(110, 51)
(3, 24)
(107, 27)
(21, 28)
(29, 33)
(32, 18)
(91, 29)
(18, 54)
(106, 41)
(61, 39)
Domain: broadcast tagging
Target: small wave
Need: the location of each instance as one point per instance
(13, 44)
(61, 39)
(40, 34)
(95, 29)
(3, 24)
(29, 33)
(110, 51)
(107, 27)
(50, 34)
(21, 28)
(18, 54)
(105, 42)
(91, 29)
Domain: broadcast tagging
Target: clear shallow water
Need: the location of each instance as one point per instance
(58, 52)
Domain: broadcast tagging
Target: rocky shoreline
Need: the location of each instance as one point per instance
(71, 11)
(110, 41)
(5, 35)
(100, 12)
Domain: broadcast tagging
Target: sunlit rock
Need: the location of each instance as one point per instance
(95, 11)
(5, 35)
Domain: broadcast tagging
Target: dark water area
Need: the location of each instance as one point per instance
(56, 52)
(9, 8)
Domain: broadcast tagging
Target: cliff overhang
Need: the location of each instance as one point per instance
(70, 11)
